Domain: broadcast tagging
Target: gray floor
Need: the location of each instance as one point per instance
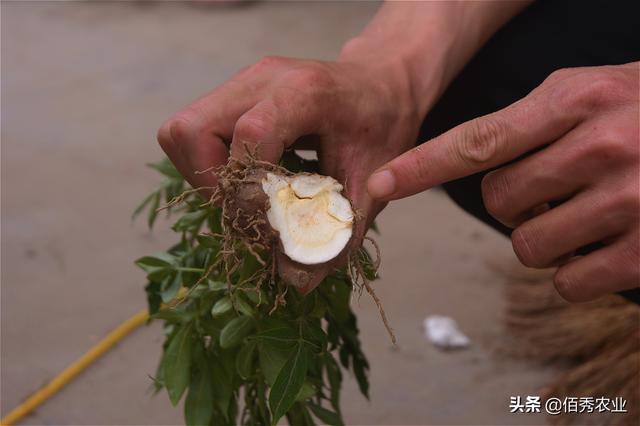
(84, 88)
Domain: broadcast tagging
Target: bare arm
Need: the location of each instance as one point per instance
(430, 41)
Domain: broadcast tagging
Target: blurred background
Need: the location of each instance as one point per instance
(85, 85)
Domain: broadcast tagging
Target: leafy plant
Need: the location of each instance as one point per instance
(243, 352)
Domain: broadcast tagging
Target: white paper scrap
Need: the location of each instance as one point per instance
(443, 332)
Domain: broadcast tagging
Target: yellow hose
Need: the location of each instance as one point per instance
(76, 368)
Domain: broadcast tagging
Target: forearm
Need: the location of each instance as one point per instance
(428, 43)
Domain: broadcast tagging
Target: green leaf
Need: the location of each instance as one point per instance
(165, 167)
(157, 259)
(335, 380)
(319, 308)
(256, 297)
(339, 299)
(209, 242)
(282, 337)
(173, 188)
(215, 221)
(222, 306)
(153, 209)
(201, 292)
(288, 383)
(249, 267)
(306, 391)
(198, 406)
(235, 331)
(242, 305)
(324, 415)
(223, 372)
(276, 343)
(190, 221)
(157, 275)
(177, 364)
(244, 359)
(314, 336)
(153, 297)
(370, 271)
(344, 353)
(216, 285)
(158, 379)
(170, 287)
(142, 205)
(157, 266)
(360, 365)
(272, 358)
(173, 315)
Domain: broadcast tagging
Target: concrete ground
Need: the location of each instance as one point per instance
(84, 88)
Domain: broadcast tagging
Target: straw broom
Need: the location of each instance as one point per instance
(598, 342)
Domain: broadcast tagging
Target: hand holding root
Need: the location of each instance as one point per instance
(299, 227)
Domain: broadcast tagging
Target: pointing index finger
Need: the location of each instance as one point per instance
(473, 146)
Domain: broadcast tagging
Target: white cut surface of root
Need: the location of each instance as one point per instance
(314, 220)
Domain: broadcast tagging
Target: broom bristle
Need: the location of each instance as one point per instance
(600, 340)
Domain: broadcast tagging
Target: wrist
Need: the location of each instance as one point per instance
(427, 43)
(413, 65)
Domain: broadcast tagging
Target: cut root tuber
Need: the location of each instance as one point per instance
(300, 220)
(297, 226)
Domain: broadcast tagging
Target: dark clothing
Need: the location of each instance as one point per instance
(545, 37)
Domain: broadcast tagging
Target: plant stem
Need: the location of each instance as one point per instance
(186, 269)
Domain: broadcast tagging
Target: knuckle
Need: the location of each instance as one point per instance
(621, 210)
(588, 92)
(284, 99)
(602, 87)
(481, 143)
(584, 90)
(495, 191)
(567, 286)
(178, 130)
(612, 143)
(254, 126)
(559, 75)
(597, 92)
(525, 242)
(269, 62)
(310, 77)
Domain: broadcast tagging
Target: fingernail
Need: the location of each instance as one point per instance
(381, 184)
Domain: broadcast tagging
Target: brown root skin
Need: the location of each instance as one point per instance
(304, 278)
(249, 196)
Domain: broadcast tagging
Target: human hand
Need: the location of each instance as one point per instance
(585, 124)
(359, 115)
